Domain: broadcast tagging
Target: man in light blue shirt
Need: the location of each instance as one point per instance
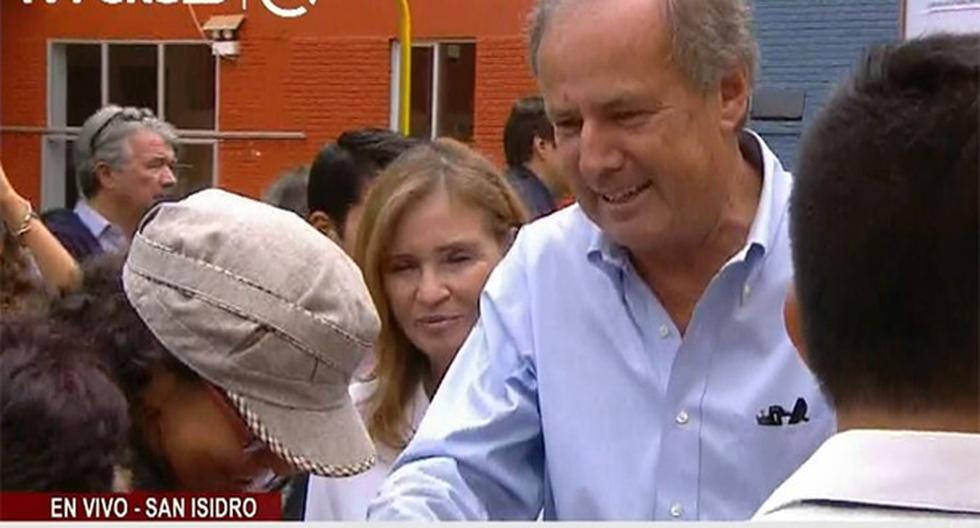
(631, 360)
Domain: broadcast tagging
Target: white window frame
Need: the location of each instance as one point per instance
(396, 71)
(53, 145)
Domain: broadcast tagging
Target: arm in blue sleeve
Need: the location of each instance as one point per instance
(478, 453)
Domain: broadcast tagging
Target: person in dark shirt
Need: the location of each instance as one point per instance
(529, 146)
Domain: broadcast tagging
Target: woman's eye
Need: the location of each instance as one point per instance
(401, 267)
(458, 258)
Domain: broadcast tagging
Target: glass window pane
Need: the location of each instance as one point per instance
(83, 81)
(422, 58)
(133, 75)
(71, 186)
(195, 168)
(457, 84)
(189, 92)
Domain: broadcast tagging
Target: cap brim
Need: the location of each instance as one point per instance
(332, 443)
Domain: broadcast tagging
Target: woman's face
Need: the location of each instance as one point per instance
(204, 441)
(440, 256)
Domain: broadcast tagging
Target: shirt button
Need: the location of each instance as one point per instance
(676, 510)
(681, 418)
(746, 291)
(664, 331)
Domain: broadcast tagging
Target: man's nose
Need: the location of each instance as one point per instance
(167, 177)
(598, 151)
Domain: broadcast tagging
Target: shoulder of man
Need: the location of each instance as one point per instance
(68, 228)
(562, 237)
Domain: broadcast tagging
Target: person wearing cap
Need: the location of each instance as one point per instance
(124, 163)
(233, 331)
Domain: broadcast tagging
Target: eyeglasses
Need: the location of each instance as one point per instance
(127, 114)
(267, 480)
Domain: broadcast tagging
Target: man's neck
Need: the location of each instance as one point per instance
(116, 215)
(952, 420)
(679, 275)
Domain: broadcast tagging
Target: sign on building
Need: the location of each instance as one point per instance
(930, 16)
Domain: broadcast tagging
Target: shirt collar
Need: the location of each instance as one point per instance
(898, 469)
(95, 222)
(765, 226)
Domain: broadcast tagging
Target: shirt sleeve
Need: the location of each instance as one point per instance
(478, 453)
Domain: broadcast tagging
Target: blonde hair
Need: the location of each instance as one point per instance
(443, 164)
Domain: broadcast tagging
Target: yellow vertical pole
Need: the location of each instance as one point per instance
(405, 82)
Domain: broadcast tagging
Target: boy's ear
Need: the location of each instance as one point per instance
(791, 318)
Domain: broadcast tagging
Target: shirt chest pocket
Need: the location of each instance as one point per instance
(766, 448)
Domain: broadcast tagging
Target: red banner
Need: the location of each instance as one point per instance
(140, 506)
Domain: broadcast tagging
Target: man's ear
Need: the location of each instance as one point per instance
(539, 147)
(791, 318)
(324, 224)
(104, 175)
(734, 93)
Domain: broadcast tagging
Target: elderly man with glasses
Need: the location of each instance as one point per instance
(124, 163)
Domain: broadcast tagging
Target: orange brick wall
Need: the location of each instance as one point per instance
(320, 74)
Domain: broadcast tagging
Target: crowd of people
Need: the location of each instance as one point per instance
(644, 317)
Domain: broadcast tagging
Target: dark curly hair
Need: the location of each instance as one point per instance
(117, 332)
(63, 420)
(123, 341)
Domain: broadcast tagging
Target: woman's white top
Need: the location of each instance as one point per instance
(347, 499)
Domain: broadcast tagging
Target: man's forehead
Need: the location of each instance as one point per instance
(606, 19)
(147, 142)
(606, 37)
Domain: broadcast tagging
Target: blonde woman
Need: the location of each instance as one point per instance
(436, 223)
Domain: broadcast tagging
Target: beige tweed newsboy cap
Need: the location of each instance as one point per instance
(266, 308)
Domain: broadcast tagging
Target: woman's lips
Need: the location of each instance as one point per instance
(437, 322)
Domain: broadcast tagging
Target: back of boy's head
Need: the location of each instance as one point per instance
(63, 421)
(884, 225)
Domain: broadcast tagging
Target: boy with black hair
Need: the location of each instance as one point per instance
(884, 223)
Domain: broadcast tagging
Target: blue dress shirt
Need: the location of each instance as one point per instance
(110, 237)
(576, 395)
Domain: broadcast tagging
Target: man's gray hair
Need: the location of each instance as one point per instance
(708, 37)
(289, 191)
(104, 138)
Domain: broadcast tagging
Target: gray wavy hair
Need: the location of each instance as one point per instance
(289, 191)
(103, 138)
(709, 37)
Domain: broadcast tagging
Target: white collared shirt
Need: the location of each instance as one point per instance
(346, 499)
(881, 475)
(111, 238)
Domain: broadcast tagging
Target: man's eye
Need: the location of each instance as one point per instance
(568, 126)
(629, 117)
